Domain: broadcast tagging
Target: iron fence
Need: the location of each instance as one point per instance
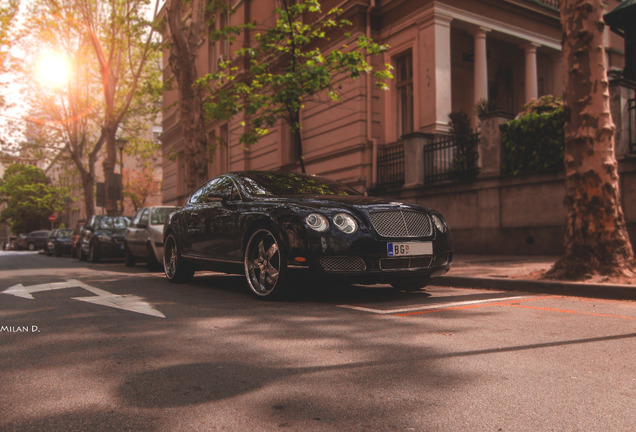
(448, 157)
(390, 166)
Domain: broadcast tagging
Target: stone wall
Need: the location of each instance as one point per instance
(496, 214)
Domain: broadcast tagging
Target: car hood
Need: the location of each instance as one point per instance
(110, 233)
(352, 203)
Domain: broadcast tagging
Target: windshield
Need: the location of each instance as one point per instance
(114, 222)
(159, 215)
(64, 233)
(292, 184)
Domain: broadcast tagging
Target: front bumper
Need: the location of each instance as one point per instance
(112, 249)
(363, 257)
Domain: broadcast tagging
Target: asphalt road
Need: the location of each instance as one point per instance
(103, 347)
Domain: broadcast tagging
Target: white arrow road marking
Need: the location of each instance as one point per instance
(126, 302)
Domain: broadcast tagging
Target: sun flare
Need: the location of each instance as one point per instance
(53, 70)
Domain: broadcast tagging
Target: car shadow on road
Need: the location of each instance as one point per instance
(304, 289)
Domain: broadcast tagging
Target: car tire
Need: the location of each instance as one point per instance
(411, 285)
(93, 255)
(175, 267)
(31, 246)
(265, 265)
(129, 258)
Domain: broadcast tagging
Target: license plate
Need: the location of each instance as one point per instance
(411, 248)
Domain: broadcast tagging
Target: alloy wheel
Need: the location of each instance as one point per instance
(264, 265)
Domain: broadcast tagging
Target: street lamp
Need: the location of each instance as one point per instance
(121, 143)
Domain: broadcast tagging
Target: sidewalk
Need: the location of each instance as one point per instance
(519, 273)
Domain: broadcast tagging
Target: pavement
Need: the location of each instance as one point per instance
(520, 273)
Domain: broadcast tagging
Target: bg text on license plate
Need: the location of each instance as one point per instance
(409, 248)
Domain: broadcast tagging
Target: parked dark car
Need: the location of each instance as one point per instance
(36, 240)
(144, 236)
(263, 224)
(103, 237)
(59, 242)
(21, 242)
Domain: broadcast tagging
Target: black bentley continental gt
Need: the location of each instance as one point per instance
(266, 224)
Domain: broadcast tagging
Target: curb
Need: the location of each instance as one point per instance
(576, 289)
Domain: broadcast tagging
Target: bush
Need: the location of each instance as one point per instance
(464, 165)
(534, 141)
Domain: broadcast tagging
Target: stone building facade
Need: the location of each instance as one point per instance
(447, 56)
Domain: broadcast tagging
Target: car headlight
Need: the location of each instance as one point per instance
(440, 224)
(345, 223)
(317, 222)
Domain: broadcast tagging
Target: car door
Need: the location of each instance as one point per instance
(135, 233)
(220, 239)
(192, 218)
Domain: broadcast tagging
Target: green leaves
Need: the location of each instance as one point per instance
(288, 64)
(534, 142)
(29, 197)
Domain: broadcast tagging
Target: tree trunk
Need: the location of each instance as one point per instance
(297, 139)
(109, 169)
(88, 187)
(596, 239)
(182, 62)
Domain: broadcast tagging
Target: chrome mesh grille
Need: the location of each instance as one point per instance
(388, 264)
(343, 263)
(401, 223)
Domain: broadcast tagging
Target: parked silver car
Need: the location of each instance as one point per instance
(144, 236)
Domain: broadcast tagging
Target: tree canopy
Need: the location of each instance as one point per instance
(30, 198)
(285, 66)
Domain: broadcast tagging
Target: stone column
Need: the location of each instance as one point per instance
(414, 158)
(490, 143)
(532, 91)
(434, 95)
(481, 65)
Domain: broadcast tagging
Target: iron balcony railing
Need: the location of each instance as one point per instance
(449, 157)
(554, 3)
(390, 166)
(445, 158)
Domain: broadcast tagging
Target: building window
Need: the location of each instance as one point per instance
(213, 59)
(404, 86)
(224, 53)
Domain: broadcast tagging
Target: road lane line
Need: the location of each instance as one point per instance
(493, 302)
(574, 312)
(421, 309)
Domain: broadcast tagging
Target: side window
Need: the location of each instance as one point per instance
(200, 195)
(226, 186)
(135, 220)
(145, 217)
